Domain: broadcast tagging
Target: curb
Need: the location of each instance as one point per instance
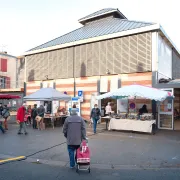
(19, 158)
(8, 159)
(104, 166)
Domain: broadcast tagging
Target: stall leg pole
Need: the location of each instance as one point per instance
(135, 104)
(106, 124)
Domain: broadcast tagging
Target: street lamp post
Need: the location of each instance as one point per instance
(74, 77)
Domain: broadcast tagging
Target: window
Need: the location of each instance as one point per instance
(164, 59)
(7, 82)
(3, 65)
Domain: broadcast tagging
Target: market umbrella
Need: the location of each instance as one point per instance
(47, 94)
(136, 91)
(9, 96)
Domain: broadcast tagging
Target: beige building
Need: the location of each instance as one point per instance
(11, 71)
(107, 52)
(12, 78)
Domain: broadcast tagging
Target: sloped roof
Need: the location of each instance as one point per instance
(8, 55)
(95, 29)
(47, 94)
(100, 13)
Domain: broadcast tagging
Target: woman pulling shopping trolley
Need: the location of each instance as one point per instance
(74, 130)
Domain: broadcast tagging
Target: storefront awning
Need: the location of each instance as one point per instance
(9, 96)
(138, 91)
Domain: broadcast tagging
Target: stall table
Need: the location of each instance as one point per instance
(54, 119)
(131, 125)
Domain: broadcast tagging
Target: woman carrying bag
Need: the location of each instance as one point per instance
(95, 115)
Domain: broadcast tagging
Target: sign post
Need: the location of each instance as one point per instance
(75, 101)
(80, 95)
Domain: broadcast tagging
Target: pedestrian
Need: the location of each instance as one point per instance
(74, 130)
(142, 111)
(5, 115)
(108, 109)
(33, 116)
(2, 129)
(20, 118)
(1, 108)
(95, 115)
(40, 113)
(28, 115)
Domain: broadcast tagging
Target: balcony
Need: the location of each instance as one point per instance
(8, 85)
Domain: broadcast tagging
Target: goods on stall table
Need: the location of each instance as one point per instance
(146, 116)
(123, 116)
(132, 116)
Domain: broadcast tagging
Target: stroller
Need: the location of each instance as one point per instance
(83, 157)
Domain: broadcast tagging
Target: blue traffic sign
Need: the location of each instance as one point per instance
(75, 99)
(80, 93)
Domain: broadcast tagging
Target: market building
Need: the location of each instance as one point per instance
(107, 52)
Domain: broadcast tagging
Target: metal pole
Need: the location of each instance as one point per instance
(74, 71)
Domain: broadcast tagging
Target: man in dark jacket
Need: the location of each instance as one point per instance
(33, 116)
(74, 130)
(95, 115)
(41, 111)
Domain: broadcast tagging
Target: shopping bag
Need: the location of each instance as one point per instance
(99, 120)
(83, 153)
(8, 118)
(90, 122)
(18, 121)
(38, 118)
(43, 126)
(2, 119)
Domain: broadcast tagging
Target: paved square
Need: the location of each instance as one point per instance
(108, 149)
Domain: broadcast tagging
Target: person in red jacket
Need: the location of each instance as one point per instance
(20, 118)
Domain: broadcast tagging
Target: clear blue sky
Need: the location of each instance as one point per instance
(28, 23)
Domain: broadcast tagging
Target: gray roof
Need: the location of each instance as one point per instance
(8, 55)
(176, 81)
(95, 29)
(101, 12)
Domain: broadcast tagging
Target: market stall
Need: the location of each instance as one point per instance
(49, 95)
(134, 121)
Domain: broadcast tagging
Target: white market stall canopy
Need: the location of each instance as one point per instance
(137, 91)
(47, 94)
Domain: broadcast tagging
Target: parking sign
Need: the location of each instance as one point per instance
(80, 95)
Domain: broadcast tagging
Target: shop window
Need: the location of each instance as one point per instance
(3, 65)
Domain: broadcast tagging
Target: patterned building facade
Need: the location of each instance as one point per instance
(121, 55)
(90, 85)
(108, 51)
